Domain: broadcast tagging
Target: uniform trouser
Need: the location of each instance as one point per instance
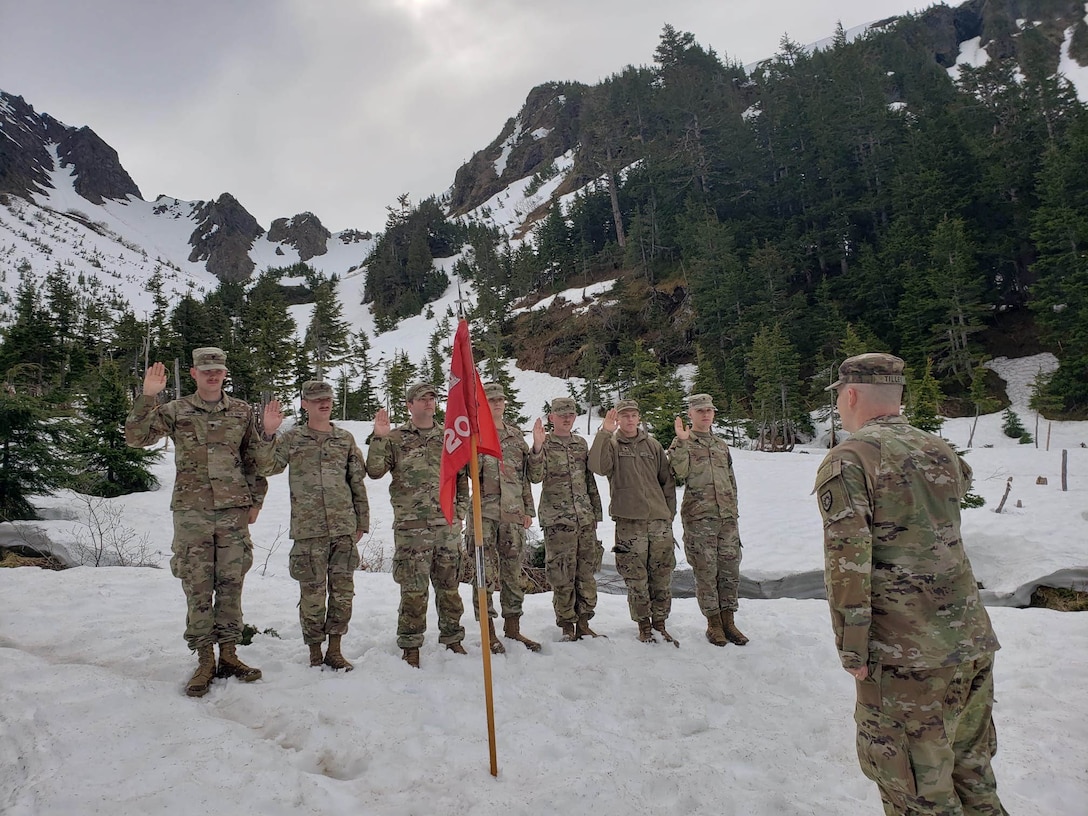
(645, 558)
(212, 554)
(504, 544)
(572, 557)
(926, 738)
(324, 566)
(421, 555)
(712, 547)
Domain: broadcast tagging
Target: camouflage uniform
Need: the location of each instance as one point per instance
(904, 603)
(426, 547)
(570, 508)
(328, 508)
(643, 504)
(506, 498)
(216, 485)
(709, 511)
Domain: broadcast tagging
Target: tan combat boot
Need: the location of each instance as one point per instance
(569, 633)
(645, 632)
(714, 631)
(456, 648)
(511, 628)
(231, 666)
(659, 625)
(411, 656)
(732, 633)
(316, 658)
(205, 671)
(583, 628)
(333, 659)
(493, 638)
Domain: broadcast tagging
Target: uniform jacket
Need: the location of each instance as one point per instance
(638, 472)
(327, 479)
(414, 457)
(505, 491)
(899, 584)
(213, 449)
(710, 488)
(569, 492)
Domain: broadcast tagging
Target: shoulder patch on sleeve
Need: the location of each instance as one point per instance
(831, 493)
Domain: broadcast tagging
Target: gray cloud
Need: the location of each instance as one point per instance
(338, 107)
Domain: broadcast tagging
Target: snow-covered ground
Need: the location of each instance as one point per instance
(92, 667)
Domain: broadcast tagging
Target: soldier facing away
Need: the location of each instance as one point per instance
(569, 510)
(217, 495)
(908, 620)
(329, 514)
(506, 509)
(643, 505)
(709, 512)
(426, 547)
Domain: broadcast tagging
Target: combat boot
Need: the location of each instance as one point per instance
(732, 633)
(659, 625)
(231, 666)
(456, 648)
(714, 631)
(493, 638)
(645, 632)
(333, 659)
(411, 656)
(511, 628)
(316, 658)
(205, 671)
(569, 633)
(583, 628)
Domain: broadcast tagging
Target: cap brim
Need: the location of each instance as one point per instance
(834, 385)
(213, 367)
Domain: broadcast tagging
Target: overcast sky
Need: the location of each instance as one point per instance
(339, 106)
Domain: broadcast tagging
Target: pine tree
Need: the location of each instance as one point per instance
(31, 440)
(773, 367)
(327, 334)
(363, 401)
(924, 402)
(399, 374)
(109, 467)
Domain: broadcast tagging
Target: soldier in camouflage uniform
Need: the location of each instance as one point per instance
(908, 620)
(217, 495)
(426, 547)
(643, 505)
(329, 514)
(506, 507)
(711, 539)
(570, 508)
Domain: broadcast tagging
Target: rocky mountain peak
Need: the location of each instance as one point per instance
(26, 158)
(304, 232)
(224, 235)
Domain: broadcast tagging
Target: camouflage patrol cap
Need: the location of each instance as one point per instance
(564, 405)
(209, 358)
(420, 389)
(316, 389)
(626, 405)
(494, 391)
(874, 367)
(701, 401)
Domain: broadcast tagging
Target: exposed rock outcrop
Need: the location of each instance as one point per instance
(304, 232)
(225, 235)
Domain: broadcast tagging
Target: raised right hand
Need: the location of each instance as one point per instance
(611, 420)
(538, 434)
(682, 431)
(273, 417)
(381, 424)
(154, 380)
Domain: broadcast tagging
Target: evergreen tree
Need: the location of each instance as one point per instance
(773, 366)
(109, 467)
(399, 374)
(328, 332)
(924, 402)
(363, 402)
(31, 441)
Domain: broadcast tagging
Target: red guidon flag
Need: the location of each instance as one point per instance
(464, 420)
